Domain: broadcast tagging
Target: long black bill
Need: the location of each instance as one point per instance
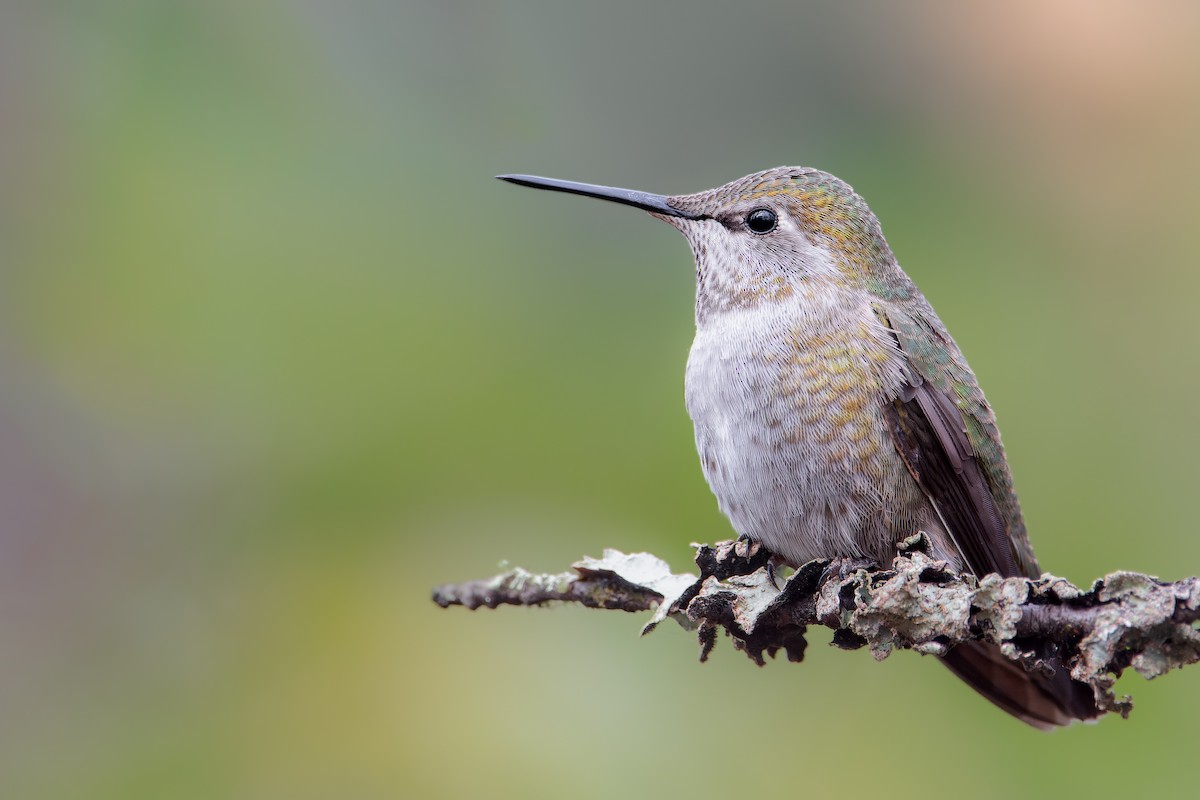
(655, 203)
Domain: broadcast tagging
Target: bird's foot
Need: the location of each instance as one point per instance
(842, 568)
(724, 560)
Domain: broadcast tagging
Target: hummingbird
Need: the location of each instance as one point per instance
(834, 415)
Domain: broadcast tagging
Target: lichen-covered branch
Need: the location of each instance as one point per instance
(1124, 620)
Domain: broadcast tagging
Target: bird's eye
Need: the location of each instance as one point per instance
(761, 220)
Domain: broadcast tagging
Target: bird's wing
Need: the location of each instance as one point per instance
(940, 424)
(946, 433)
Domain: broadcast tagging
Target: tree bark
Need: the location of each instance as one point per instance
(916, 603)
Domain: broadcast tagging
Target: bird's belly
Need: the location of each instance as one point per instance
(793, 439)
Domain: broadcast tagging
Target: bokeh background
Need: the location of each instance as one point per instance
(277, 355)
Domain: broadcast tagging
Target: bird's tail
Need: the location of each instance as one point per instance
(1043, 701)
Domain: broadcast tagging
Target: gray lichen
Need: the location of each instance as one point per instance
(916, 603)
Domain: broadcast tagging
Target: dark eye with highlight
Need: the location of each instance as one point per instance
(761, 220)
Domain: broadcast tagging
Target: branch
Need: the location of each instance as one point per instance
(1125, 620)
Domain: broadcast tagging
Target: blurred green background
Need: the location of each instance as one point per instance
(277, 355)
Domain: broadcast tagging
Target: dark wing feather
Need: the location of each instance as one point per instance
(934, 359)
(929, 434)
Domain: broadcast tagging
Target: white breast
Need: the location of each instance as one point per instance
(786, 398)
